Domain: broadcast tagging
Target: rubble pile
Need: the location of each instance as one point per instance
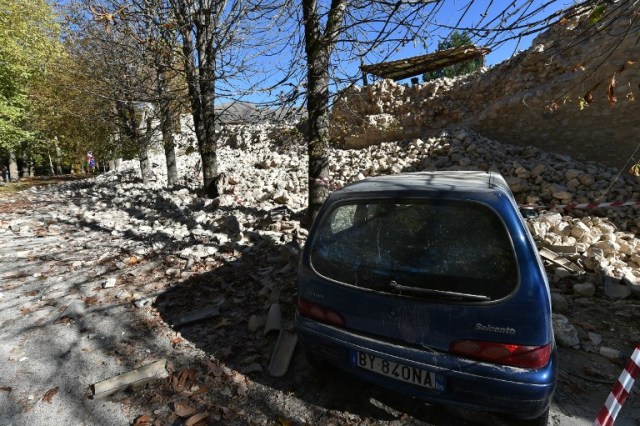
(553, 95)
(111, 247)
(266, 168)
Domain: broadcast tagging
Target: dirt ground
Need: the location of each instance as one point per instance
(217, 367)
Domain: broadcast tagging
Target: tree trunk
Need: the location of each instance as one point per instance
(167, 125)
(207, 89)
(51, 169)
(318, 47)
(208, 147)
(200, 75)
(58, 157)
(144, 144)
(25, 164)
(318, 139)
(169, 149)
(13, 167)
(145, 163)
(194, 91)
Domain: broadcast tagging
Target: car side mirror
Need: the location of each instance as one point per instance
(529, 212)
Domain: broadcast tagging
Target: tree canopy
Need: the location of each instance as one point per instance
(456, 39)
(29, 42)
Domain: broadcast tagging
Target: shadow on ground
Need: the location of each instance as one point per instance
(245, 288)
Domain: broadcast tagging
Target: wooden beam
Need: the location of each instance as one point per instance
(417, 65)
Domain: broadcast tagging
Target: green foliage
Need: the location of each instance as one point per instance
(456, 39)
(28, 42)
(597, 13)
(12, 112)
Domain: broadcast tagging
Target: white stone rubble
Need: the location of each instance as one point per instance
(266, 193)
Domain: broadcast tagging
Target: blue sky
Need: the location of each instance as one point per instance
(447, 17)
(450, 16)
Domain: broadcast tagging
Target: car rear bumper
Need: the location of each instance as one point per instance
(467, 384)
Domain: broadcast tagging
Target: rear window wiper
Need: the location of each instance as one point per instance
(443, 293)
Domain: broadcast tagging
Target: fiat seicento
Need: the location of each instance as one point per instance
(429, 284)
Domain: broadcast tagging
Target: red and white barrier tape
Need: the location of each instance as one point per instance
(585, 206)
(621, 389)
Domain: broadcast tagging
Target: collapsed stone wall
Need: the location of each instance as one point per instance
(266, 169)
(532, 99)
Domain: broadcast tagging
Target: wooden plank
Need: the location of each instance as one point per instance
(561, 261)
(144, 374)
(417, 65)
(274, 319)
(197, 315)
(282, 353)
(564, 250)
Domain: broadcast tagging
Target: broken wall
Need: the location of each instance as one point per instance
(573, 92)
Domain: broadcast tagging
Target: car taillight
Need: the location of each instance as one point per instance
(319, 313)
(503, 353)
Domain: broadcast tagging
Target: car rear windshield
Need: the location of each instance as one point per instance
(420, 248)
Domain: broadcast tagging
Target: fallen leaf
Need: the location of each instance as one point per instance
(551, 107)
(6, 389)
(223, 323)
(32, 292)
(593, 372)
(611, 92)
(25, 310)
(242, 389)
(281, 421)
(132, 260)
(183, 409)
(90, 301)
(49, 395)
(143, 420)
(196, 419)
(87, 350)
(218, 369)
(180, 379)
(201, 390)
(588, 97)
(585, 325)
(582, 104)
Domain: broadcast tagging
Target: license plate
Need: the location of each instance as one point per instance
(401, 372)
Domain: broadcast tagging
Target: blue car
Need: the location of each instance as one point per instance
(429, 284)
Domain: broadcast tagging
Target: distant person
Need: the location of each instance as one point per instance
(91, 162)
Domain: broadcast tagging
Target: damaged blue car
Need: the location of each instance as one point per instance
(430, 285)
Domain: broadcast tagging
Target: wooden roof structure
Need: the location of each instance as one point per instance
(418, 65)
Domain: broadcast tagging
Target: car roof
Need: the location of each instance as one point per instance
(450, 181)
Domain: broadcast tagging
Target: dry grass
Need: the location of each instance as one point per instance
(26, 183)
